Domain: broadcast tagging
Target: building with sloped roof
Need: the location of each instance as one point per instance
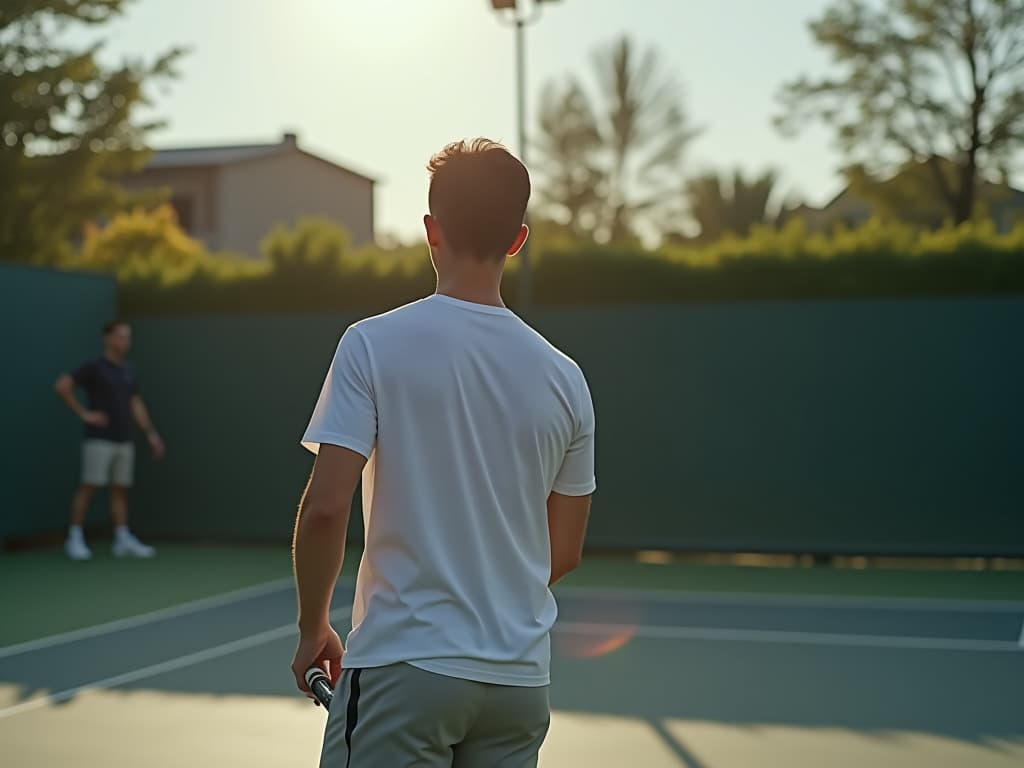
(230, 197)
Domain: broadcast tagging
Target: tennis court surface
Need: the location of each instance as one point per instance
(690, 668)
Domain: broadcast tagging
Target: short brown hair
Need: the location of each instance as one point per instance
(478, 192)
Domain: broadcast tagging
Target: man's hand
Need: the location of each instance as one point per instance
(156, 444)
(321, 648)
(95, 418)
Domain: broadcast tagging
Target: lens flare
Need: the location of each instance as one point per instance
(596, 628)
(593, 641)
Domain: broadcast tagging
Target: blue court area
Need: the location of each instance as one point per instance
(657, 679)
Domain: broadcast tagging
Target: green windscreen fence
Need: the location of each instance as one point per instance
(231, 397)
(49, 322)
(842, 427)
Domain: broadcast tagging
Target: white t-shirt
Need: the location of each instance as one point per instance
(469, 419)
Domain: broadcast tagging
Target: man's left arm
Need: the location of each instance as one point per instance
(141, 415)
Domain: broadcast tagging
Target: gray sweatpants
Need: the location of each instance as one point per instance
(403, 717)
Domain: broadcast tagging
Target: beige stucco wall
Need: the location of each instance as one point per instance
(256, 195)
(200, 184)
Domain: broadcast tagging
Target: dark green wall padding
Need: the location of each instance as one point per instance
(876, 427)
(50, 322)
(886, 426)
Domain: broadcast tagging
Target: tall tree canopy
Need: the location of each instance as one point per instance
(569, 144)
(615, 157)
(934, 82)
(66, 125)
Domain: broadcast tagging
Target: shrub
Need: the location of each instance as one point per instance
(313, 267)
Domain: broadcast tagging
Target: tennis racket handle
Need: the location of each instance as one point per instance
(320, 684)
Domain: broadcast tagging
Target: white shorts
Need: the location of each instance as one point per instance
(105, 462)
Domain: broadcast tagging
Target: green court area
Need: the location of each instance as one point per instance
(685, 664)
(56, 595)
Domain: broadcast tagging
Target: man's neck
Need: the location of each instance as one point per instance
(475, 291)
(113, 357)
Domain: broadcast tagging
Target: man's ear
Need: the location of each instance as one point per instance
(524, 232)
(435, 235)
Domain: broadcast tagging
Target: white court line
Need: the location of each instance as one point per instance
(1020, 641)
(578, 628)
(807, 601)
(188, 660)
(183, 609)
(786, 637)
(597, 593)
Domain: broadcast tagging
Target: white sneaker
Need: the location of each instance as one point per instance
(129, 546)
(77, 549)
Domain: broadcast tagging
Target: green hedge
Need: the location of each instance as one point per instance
(312, 267)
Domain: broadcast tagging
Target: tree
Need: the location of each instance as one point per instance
(936, 82)
(627, 152)
(733, 206)
(569, 145)
(314, 247)
(142, 245)
(66, 127)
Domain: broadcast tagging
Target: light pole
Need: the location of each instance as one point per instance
(520, 14)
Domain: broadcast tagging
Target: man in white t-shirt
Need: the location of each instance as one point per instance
(474, 438)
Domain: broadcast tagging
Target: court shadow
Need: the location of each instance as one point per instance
(675, 746)
(245, 649)
(962, 695)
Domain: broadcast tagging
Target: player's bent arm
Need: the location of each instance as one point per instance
(65, 389)
(567, 526)
(320, 529)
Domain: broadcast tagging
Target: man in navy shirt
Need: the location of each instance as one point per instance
(108, 452)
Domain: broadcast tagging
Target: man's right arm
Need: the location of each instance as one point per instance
(65, 389)
(569, 502)
(567, 527)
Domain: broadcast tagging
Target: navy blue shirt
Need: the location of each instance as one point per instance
(109, 388)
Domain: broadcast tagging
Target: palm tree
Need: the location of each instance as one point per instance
(733, 206)
(568, 146)
(614, 167)
(644, 131)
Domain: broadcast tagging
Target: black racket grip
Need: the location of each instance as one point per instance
(320, 684)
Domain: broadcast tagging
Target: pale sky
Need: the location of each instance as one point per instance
(379, 85)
